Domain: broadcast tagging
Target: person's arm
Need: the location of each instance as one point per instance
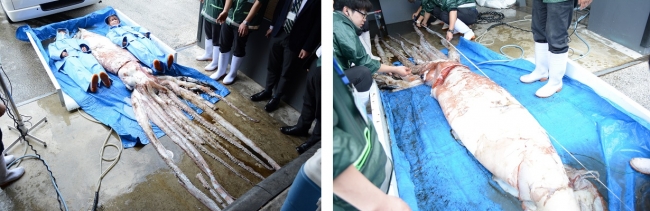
(357, 190)
(243, 27)
(452, 21)
(116, 38)
(399, 70)
(416, 13)
(224, 14)
(55, 53)
(313, 39)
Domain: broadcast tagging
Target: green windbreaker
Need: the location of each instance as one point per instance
(449, 5)
(347, 46)
(355, 142)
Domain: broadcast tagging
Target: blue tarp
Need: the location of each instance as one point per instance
(110, 106)
(435, 172)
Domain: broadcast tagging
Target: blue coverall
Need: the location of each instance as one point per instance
(78, 65)
(137, 43)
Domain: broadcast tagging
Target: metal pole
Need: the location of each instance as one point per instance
(24, 132)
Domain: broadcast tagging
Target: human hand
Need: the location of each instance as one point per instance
(402, 71)
(450, 35)
(243, 30)
(84, 49)
(418, 23)
(147, 35)
(584, 3)
(303, 54)
(415, 15)
(222, 17)
(64, 54)
(268, 33)
(425, 20)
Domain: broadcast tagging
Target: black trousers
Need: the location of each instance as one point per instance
(230, 38)
(550, 24)
(212, 31)
(469, 15)
(281, 62)
(360, 77)
(311, 101)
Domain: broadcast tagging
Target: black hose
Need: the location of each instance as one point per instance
(95, 202)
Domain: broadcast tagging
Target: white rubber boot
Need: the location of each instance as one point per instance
(445, 26)
(556, 70)
(462, 28)
(8, 176)
(641, 165)
(223, 65)
(541, 65)
(207, 56)
(8, 159)
(215, 60)
(234, 65)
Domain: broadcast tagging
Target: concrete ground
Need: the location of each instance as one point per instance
(140, 180)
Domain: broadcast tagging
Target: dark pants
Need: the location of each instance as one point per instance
(281, 61)
(360, 77)
(212, 31)
(469, 15)
(550, 24)
(229, 37)
(311, 102)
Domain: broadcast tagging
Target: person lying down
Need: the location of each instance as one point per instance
(73, 57)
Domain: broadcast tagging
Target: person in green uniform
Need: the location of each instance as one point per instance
(213, 14)
(360, 165)
(242, 17)
(348, 18)
(457, 15)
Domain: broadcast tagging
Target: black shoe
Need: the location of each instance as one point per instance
(295, 131)
(272, 105)
(263, 95)
(305, 146)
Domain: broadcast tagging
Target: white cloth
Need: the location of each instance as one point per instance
(312, 168)
(497, 4)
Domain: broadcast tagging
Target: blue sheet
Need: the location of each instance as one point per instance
(110, 106)
(435, 172)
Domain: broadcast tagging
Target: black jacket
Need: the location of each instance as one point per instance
(305, 34)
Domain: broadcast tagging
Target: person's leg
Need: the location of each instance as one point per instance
(216, 32)
(207, 56)
(310, 105)
(274, 68)
(289, 62)
(8, 176)
(237, 57)
(558, 21)
(76, 70)
(538, 26)
(226, 37)
(303, 193)
(469, 15)
(313, 139)
(360, 77)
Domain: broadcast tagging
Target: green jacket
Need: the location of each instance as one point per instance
(239, 11)
(347, 46)
(449, 5)
(355, 142)
(212, 9)
(427, 6)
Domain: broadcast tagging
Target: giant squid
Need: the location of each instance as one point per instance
(501, 134)
(157, 100)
